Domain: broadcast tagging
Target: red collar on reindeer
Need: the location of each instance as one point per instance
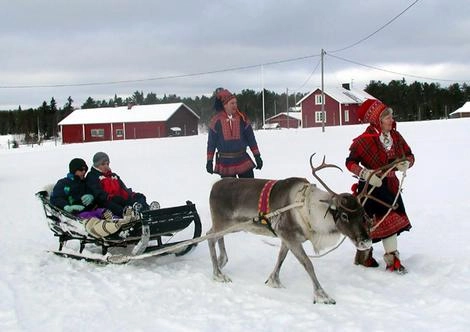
(263, 202)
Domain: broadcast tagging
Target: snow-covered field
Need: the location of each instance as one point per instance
(42, 292)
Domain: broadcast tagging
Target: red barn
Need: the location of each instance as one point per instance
(286, 120)
(120, 123)
(341, 104)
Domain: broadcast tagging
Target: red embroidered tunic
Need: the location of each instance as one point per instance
(230, 136)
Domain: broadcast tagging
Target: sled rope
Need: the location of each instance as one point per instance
(122, 259)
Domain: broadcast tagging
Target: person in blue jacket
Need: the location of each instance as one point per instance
(71, 193)
(230, 134)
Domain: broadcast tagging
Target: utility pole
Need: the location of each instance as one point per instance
(287, 106)
(262, 94)
(39, 130)
(322, 94)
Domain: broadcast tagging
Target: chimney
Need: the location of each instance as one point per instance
(129, 105)
(346, 86)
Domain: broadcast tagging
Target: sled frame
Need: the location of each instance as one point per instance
(145, 234)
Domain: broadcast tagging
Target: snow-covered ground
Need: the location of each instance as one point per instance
(43, 292)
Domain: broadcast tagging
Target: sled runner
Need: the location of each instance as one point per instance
(152, 230)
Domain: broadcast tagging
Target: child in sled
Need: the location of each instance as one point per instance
(72, 195)
(109, 190)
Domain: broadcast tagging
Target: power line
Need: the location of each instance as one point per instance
(310, 76)
(394, 72)
(159, 78)
(376, 31)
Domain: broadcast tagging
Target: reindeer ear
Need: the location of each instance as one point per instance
(331, 203)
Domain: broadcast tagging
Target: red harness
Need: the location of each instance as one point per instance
(263, 202)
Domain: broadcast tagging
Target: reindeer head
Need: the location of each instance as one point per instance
(348, 214)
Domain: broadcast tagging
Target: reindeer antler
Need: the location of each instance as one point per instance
(323, 165)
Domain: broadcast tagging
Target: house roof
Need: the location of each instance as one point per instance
(342, 95)
(464, 109)
(293, 115)
(122, 114)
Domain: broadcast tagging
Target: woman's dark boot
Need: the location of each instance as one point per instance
(364, 257)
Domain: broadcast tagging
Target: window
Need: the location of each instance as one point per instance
(318, 99)
(346, 115)
(318, 116)
(119, 133)
(97, 133)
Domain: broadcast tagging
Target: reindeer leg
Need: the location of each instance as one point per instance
(319, 295)
(273, 280)
(223, 258)
(217, 274)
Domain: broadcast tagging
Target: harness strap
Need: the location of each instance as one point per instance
(264, 218)
(263, 205)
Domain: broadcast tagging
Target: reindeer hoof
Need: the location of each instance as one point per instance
(221, 278)
(322, 297)
(324, 301)
(274, 283)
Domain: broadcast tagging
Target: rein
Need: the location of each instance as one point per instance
(388, 168)
(393, 204)
(122, 259)
(263, 206)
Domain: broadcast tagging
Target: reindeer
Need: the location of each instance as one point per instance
(301, 212)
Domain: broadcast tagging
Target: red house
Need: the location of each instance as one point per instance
(120, 123)
(286, 119)
(340, 107)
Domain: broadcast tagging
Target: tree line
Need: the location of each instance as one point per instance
(415, 101)
(420, 101)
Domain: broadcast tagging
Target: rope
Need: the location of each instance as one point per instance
(392, 165)
(377, 225)
(329, 250)
(394, 202)
(311, 231)
(122, 259)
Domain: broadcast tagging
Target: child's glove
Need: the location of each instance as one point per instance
(74, 208)
(87, 199)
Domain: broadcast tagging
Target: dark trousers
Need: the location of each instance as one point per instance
(117, 203)
(248, 174)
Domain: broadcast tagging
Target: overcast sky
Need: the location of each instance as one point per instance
(91, 48)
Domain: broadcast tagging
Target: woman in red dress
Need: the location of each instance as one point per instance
(379, 145)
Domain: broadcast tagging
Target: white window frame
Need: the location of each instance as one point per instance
(318, 117)
(346, 115)
(119, 132)
(97, 132)
(318, 99)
